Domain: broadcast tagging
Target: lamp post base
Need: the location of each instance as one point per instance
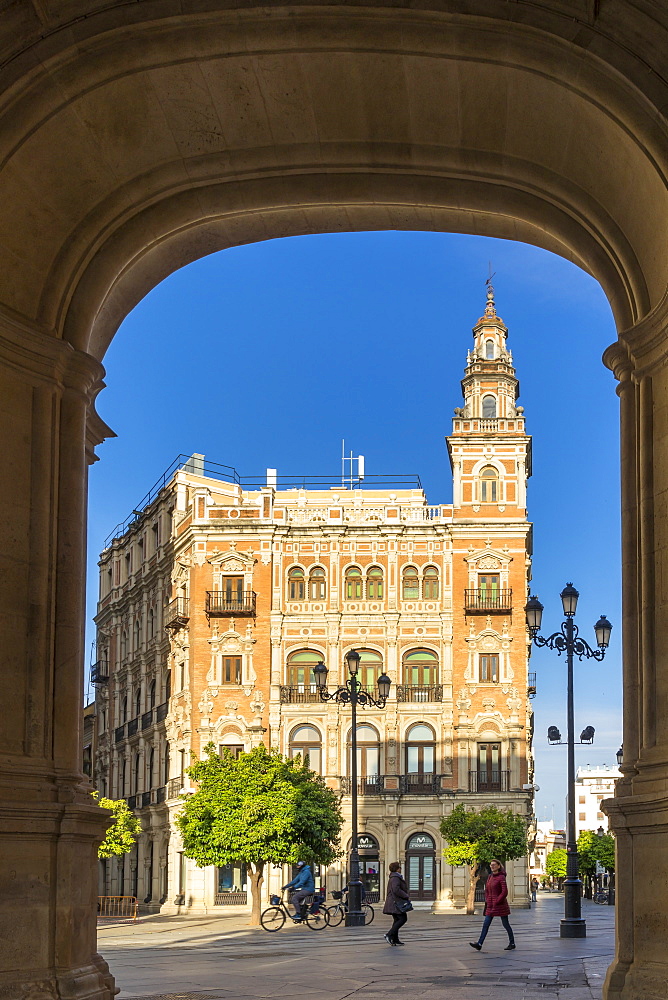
(573, 927)
(355, 919)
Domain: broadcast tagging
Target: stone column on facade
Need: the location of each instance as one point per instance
(49, 826)
(639, 812)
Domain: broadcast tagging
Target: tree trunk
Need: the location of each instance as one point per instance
(470, 896)
(256, 876)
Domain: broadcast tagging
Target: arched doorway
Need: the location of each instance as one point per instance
(421, 866)
(109, 184)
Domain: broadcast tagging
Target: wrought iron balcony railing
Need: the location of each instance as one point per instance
(174, 787)
(420, 784)
(133, 726)
(177, 613)
(419, 692)
(531, 684)
(145, 799)
(99, 672)
(299, 694)
(119, 734)
(221, 602)
(132, 801)
(489, 781)
(488, 600)
(370, 784)
(160, 794)
(147, 719)
(161, 712)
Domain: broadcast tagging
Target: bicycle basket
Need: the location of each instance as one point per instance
(337, 895)
(274, 900)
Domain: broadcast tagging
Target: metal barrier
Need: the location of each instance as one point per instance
(117, 908)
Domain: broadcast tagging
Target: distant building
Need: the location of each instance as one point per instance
(547, 840)
(219, 598)
(592, 785)
(89, 740)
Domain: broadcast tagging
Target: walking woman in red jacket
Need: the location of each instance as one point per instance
(496, 905)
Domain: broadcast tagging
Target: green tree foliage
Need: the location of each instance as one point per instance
(123, 829)
(259, 808)
(587, 853)
(605, 851)
(474, 837)
(555, 863)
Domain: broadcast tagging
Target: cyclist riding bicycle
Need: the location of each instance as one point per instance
(304, 884)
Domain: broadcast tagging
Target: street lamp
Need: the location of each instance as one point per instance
(352, 693)
(568, 641)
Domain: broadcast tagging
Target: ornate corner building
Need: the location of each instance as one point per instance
(218, 599)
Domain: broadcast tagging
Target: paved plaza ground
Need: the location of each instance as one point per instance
(221, 958)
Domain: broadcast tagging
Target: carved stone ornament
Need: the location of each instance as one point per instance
(489, 704)
(488, 562)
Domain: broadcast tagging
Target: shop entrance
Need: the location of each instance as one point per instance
(421, 866)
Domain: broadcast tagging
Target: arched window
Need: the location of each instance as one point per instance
(368, 754)
(124, 644)
(306, 742)
(489, 485)
(296, 584)
(124, 777)
(150, 769)
(489, 406)
(151, 623)
(168, 686)
(353, 584)
(374, 584)
(370, 668)
(430, 587)
(300, 669)
(137, 631)
(420, 866)
(166, 770)
(420, 757)
(489, 350)
(138, 703)
(420, 667)
(317, 587)
(124, 709)
(151, 695)
(410, 584)
(137, 765)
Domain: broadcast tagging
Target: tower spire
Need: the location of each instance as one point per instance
(490, 307)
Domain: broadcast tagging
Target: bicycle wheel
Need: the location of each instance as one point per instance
(334, 915)
(272, 919)
(316, 921)
(367, 910)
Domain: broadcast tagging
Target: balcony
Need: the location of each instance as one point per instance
(145, 799)
(132, 802)
(420, 784)
(160, 794)
(531, 685)
(119, 734)
(133, 726)
(419, 692)
(489, 781)
(174, 787)
(299, 694)
(221, 603)
(484, 601)
(99, 672)
(147, 719)
(177, 613)
(370, 784)
(161, 712)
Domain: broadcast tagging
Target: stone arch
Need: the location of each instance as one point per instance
(462, 121)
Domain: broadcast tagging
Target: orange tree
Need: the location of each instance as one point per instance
(259, 808)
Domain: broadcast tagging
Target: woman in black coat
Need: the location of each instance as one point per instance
(397, 892)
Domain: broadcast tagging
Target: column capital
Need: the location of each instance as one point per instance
(41, 357)
(642, 347)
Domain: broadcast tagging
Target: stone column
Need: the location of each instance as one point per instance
(639, 812)
(49, 826)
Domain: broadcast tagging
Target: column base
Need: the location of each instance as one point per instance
(93, 982)
(573, 927)
(630, 982)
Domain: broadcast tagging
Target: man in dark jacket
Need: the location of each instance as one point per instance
(304, 884)
(396, 898)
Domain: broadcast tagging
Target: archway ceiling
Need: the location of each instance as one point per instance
(131, 146)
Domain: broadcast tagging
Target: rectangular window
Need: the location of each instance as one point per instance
(582, 800)
(234, 748)
(582, 817)
(489, 668)
(231, 670)
(489, 767)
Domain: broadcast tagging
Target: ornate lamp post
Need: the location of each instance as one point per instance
(568, 641)
(352, 693)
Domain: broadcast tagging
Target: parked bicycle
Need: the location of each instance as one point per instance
(337, 912)
(313, 914)
(602, 896)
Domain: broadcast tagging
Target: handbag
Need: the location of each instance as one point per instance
(404, 905)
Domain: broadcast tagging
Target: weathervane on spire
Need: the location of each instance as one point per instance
(490, 308)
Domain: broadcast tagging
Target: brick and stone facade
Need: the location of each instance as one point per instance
(220, 597)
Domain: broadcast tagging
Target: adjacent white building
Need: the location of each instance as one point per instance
(592, 785)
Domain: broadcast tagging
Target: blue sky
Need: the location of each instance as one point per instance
(268, 355)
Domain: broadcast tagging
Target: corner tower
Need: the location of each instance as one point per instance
(490, 451)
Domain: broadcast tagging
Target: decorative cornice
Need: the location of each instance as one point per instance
(40, 357)
(643, 348)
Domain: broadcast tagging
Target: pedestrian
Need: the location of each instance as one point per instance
(303, 884)
(496, 905)
(534, 888)
(397, 903)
